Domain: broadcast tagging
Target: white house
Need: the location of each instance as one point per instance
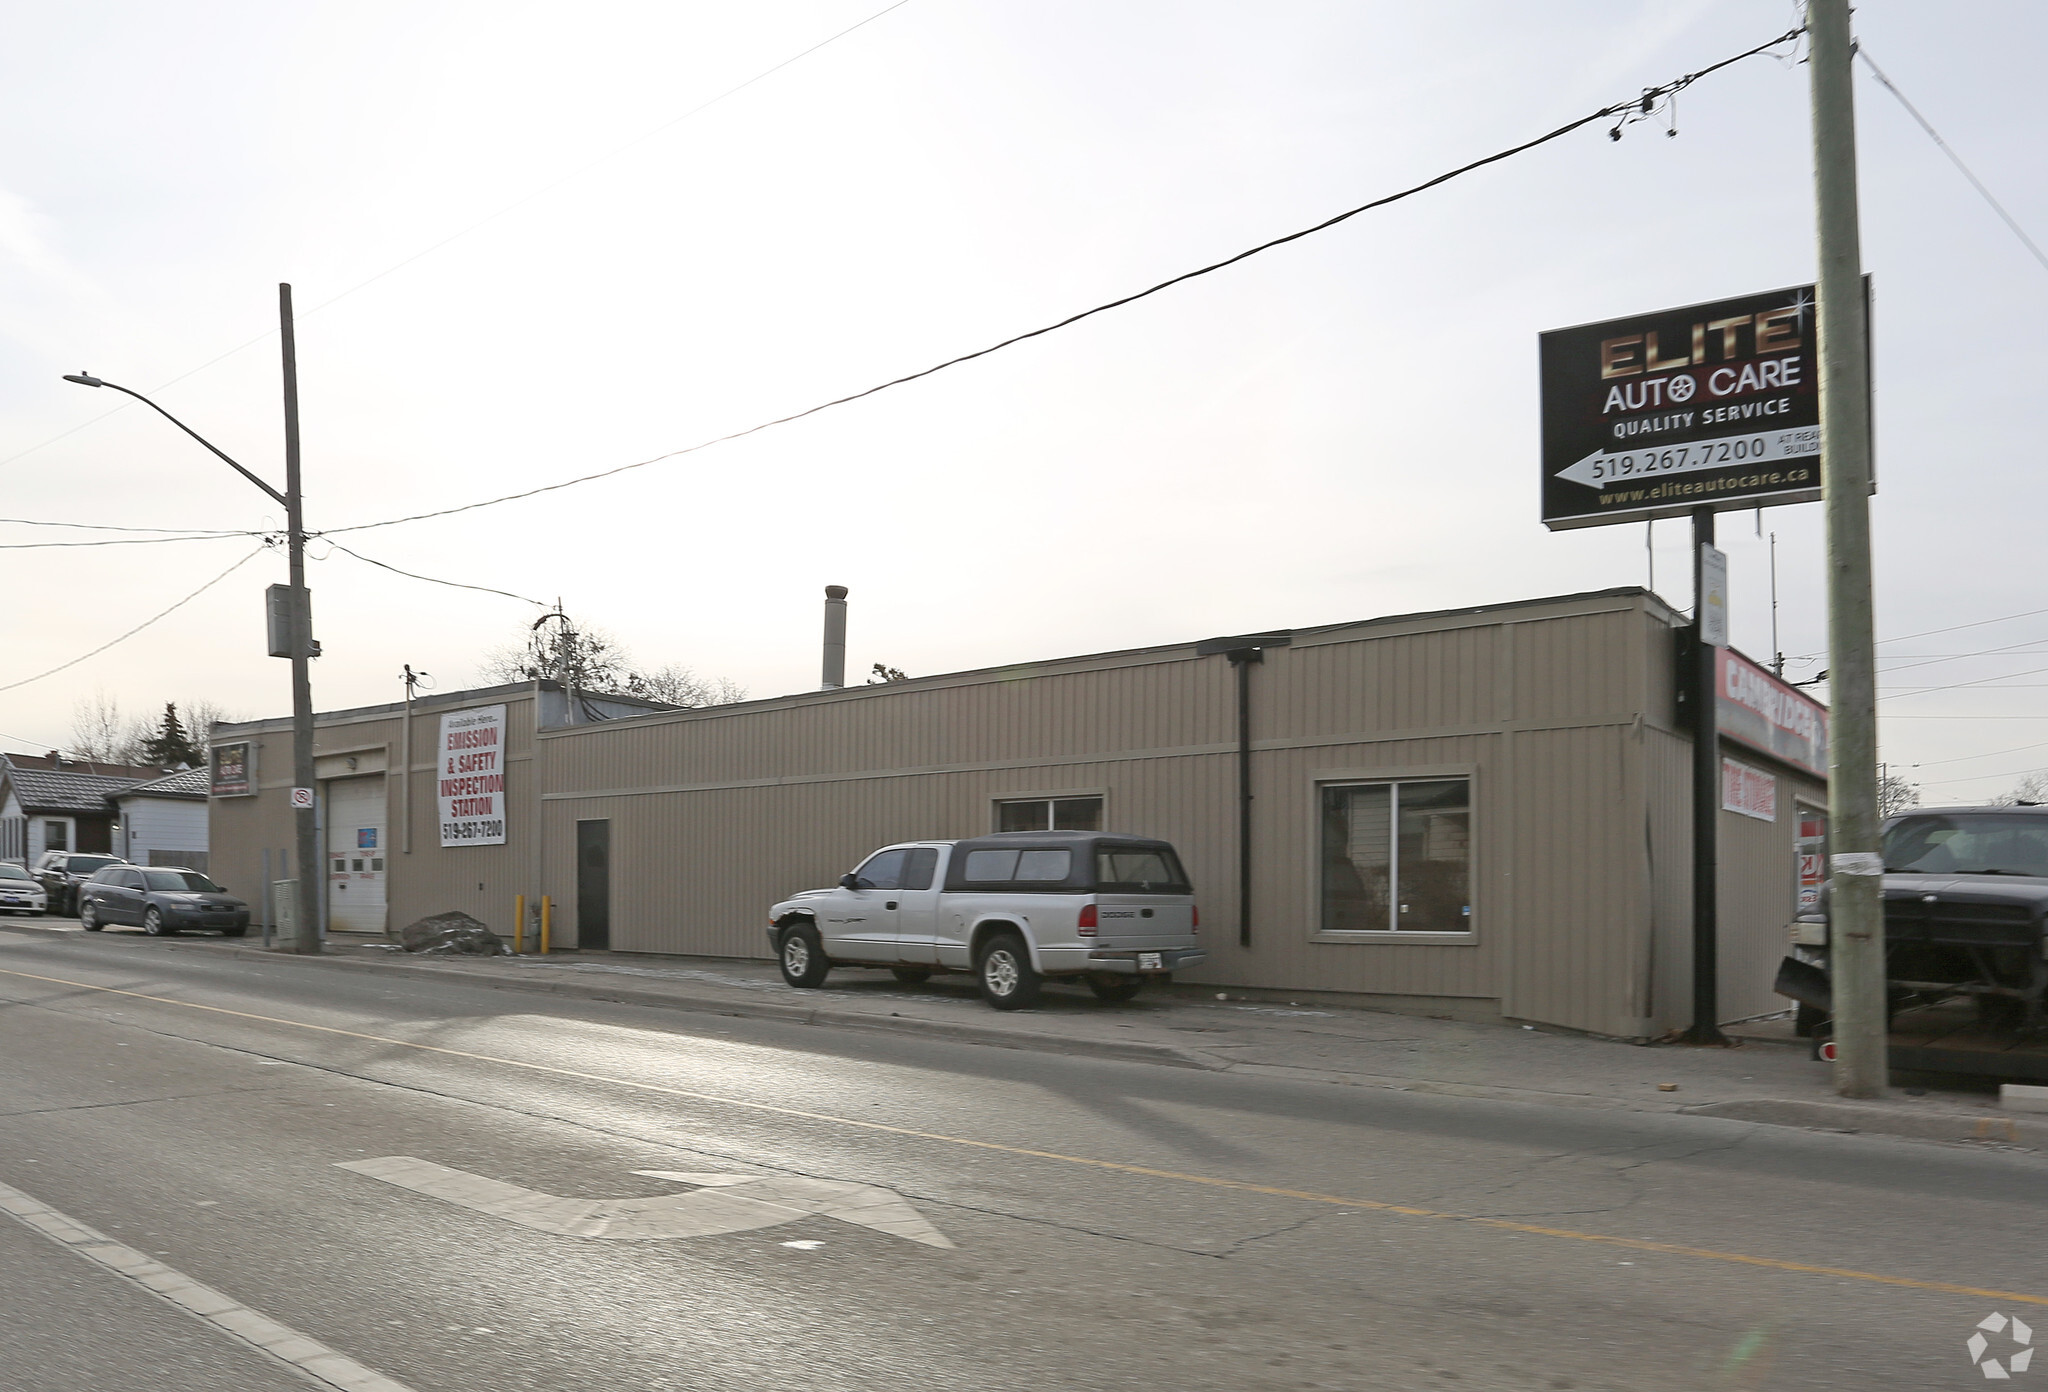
(163, 821)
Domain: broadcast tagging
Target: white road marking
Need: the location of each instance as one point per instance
(223, 1313)
(713, 1207)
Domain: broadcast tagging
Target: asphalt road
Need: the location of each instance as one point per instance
(1113, 1225)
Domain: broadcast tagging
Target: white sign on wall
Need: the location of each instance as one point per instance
(471, 777)
(1750, 791)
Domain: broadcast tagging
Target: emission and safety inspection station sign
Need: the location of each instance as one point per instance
(470, 777)
(1715, 405)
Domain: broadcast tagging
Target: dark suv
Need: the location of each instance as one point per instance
(60, 873)
(1965, 914)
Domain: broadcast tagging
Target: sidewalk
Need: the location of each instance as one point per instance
(1768, 1078)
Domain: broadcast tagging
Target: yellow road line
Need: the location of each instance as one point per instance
(1634, 1244)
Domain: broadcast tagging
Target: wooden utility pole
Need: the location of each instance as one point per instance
(1856, 951)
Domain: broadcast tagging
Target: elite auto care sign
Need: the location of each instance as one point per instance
(1715, 405)
(470, 778)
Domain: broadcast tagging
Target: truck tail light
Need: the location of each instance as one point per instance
(1196, 910)
(1088, 921)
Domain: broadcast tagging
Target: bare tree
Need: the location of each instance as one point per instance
(102, 733)
(202, 715)
(2029, 791)
(556, 649)
(590, 659)
(676, 685)
(1895, 794)
(887, 674)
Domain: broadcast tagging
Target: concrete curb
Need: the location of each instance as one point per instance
(959, 1031)
(1882, 1121)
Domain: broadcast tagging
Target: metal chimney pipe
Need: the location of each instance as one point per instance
(835, 637)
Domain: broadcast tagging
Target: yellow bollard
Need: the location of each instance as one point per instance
(519, 925)
(547, 922)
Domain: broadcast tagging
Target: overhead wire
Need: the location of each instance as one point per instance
(1930, 632)
(519, 202)
(124, 541)
(161, 614)
(1954, 158)
(113, 527)
(1631, 109)
(1958, 686)
(432, 580)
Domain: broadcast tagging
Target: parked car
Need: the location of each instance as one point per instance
(161, 900)
(1015, 908)
(1965, 914)
(61, 873)
(20, 892)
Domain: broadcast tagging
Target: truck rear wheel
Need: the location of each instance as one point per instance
(1008, 980)
(803, 957)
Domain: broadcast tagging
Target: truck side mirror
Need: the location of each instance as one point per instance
(849, 881)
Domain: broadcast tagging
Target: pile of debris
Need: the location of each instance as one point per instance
(453, 933)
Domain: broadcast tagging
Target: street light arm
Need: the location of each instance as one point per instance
(84, 379)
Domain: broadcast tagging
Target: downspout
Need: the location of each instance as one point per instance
(1243, 652)
(1242, 659)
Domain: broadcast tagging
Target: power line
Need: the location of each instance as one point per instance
(144, 624)
(111, 527)
(123, 541)
(1960, 758)
(1957, 686)
(1954, 158)
(1930, 632)
(2007, 650)
(454, 584)
(1635, 106)
(1975, 778)
(521, 201)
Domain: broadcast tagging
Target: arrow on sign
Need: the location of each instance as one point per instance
(722, 1203)
(1606, 468)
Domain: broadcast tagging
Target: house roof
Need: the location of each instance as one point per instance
(54, 763)
(42, 790)
(185, 783)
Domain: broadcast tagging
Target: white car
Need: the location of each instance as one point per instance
(20, 892)
(1015, 908)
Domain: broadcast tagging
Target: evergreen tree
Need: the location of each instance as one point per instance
(170, 747)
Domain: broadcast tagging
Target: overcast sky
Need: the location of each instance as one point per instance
(514, 264)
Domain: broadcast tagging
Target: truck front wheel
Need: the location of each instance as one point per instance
(1008, 980)
(803, 957)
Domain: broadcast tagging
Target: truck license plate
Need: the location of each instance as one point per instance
(1150, 961)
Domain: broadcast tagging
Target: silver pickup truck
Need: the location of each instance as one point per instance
(1016, 908)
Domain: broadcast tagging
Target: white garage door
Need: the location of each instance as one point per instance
(355, 854)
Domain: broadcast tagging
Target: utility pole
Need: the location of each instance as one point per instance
(306, 937)
(1856, 948)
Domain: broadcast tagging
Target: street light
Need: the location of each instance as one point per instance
(301, 647)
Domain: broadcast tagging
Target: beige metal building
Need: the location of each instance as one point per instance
(1480, 812)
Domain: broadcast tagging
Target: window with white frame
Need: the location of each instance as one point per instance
(1397, 856)
(1049, 814)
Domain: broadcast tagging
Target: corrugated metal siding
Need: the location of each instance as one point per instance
(1667, 771)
